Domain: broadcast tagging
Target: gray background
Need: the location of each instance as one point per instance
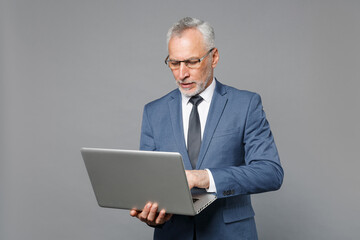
(77, 73)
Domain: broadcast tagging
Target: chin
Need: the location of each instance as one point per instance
(190, 92)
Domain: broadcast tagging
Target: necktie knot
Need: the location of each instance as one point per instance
(196, 100)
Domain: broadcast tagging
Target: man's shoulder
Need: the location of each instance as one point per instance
(164, 99)
(237, 93)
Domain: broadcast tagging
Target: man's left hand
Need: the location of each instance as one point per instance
(197, 178)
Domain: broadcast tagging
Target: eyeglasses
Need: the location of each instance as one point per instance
(190, 63)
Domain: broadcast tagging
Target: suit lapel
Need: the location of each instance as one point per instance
(175, 109)
(218, 104)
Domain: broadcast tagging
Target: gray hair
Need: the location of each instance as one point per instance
(205, 29)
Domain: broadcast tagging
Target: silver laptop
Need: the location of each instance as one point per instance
(128, 179)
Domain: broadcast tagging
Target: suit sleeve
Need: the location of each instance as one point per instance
(262, 171)
(147, 142)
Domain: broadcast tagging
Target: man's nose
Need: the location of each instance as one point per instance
(183, 71)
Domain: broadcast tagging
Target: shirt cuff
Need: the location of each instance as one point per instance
(212, 187)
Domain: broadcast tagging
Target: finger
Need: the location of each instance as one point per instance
(191, 183)
(144, 214)
(167, 217)
(133, 212)
(190, 178)
(161, 217)
(152, 213)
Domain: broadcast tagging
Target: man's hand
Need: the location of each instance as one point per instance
(197, 178)
(150, 216)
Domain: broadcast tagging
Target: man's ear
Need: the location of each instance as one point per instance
(215, 58)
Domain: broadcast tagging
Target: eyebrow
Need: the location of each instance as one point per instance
(191, 58)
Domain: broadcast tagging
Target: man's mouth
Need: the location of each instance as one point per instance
(186, 85)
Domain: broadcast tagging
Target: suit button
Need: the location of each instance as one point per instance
(228, 192)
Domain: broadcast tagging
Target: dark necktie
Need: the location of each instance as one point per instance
(194, 132)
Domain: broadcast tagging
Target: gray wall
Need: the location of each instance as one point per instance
(77, 73)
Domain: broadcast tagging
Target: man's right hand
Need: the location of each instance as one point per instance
(150, 216)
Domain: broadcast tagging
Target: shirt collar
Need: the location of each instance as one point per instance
(206, 94)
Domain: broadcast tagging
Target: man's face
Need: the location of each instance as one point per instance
(190, 45)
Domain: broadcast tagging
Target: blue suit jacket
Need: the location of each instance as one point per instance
(237, 147)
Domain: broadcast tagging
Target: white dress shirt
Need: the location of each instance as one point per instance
(203, 109)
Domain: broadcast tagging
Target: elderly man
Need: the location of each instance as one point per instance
(222, 134)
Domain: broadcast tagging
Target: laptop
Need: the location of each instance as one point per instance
(128, 179)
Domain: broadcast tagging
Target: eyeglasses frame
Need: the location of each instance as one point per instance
(187, 60)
